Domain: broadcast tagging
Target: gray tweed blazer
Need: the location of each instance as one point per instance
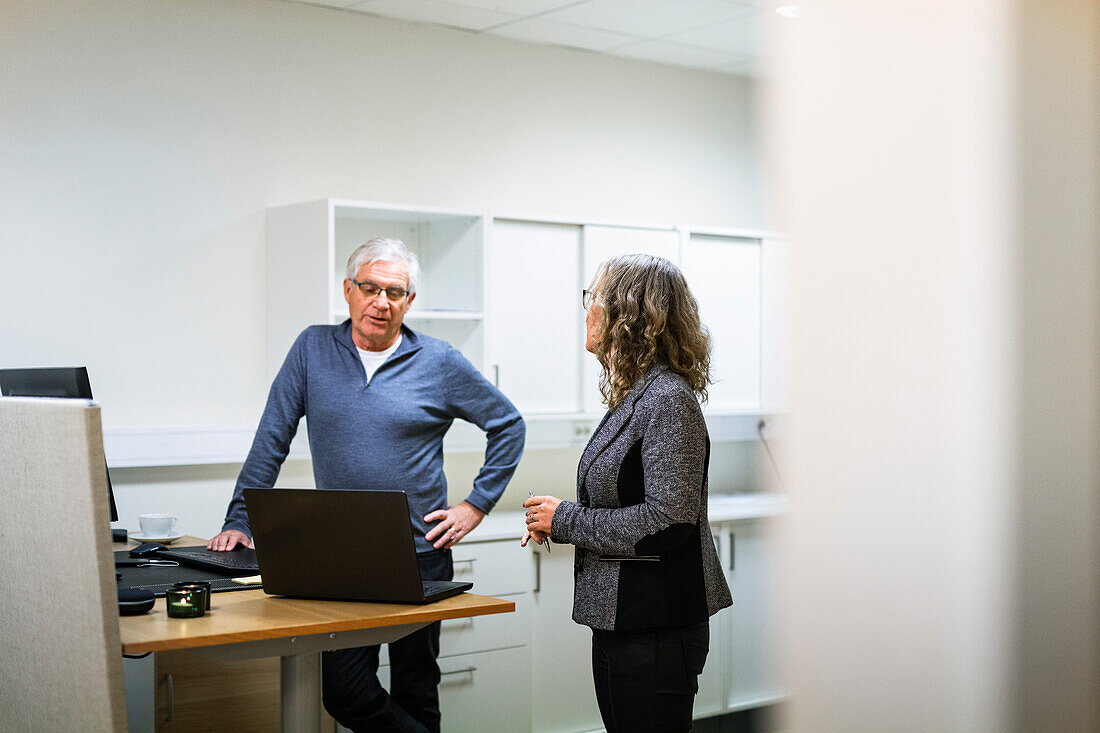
(645, 557)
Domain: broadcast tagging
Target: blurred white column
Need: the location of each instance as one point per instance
(942, 170)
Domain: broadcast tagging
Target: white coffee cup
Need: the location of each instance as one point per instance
(157, 525)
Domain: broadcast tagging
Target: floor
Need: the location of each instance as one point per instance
(767, 719)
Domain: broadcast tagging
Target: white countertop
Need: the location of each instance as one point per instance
(720, 508)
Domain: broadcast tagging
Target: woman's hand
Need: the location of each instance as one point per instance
(540, 513)
(538, 537)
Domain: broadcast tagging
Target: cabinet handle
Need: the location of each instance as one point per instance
(538, 571)
(469, 565)
(496, 375)
(733, 554)
(171, 698)
(464, 670)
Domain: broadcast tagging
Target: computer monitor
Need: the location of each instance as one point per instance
(64, 382)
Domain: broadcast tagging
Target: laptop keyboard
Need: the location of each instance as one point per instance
(434, 586)
(230, 563)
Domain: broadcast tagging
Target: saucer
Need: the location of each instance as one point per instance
(140, 537)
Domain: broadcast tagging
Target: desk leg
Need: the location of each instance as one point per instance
(301, 692)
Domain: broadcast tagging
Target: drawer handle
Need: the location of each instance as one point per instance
(464, 670)
(171, 698)
(468, 565)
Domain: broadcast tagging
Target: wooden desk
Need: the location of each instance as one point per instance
(249, 624)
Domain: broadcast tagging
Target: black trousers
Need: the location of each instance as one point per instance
(350, 688)
(647, 680)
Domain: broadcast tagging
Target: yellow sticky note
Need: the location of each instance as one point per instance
(248, 580)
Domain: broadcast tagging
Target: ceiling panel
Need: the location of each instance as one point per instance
(523, 8)
(560, 34)
(740, 35)
(720, 35)
(434, 11)
(667, 52)
(646, 18)
(331, 3)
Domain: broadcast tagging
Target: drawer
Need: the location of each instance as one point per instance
(481, 633)
(483, 692)
(484, 633)
(495, 568)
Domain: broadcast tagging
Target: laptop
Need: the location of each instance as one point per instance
(346, 545)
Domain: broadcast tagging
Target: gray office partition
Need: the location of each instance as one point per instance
(60, 654)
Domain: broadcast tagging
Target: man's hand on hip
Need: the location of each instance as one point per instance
(229, 539)
(454, 524)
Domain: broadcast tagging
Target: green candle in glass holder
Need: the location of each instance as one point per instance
(203, 585)
(185, 602)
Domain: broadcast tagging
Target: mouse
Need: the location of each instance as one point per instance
(146, 549)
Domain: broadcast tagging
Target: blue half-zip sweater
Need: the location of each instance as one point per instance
(385, 435)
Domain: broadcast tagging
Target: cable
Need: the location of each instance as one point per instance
(760, 425)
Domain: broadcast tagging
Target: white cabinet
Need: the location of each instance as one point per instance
(538, 269)
(742, 669)
(724, 273)
(773, 346)
(713, 683)
(561, 652)
(601, 243)
(740, 283)
(537, 321)
(754, 677)
(308, 246)
(484, 661)
(746, 662)
(507, 292)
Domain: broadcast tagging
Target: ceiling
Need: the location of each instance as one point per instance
(718, 35)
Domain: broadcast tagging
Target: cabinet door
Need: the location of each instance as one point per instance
(496, 568)
(725, 275)
(489, 691)
(602, 243)
(537, 320)
(775, 265)
(561, 652)
(711, 698)
(753, 662)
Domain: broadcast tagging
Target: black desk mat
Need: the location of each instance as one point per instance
(159, 578)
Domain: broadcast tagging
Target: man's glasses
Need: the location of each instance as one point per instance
(587, 296)
(371, 290)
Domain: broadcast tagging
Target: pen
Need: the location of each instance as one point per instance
(531, 494)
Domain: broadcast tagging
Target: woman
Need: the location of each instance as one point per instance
(647, 577)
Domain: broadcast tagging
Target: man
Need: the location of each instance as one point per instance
(378, 398)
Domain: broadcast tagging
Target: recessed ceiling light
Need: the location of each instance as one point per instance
(788, 11)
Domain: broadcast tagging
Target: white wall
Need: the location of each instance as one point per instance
(141, 142)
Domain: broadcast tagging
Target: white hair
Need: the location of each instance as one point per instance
(385, 250)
